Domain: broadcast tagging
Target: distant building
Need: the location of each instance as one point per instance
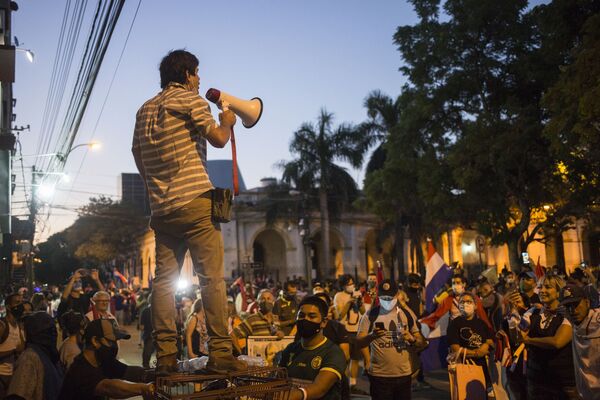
(133, 191)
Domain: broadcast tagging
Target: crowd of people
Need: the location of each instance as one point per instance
(537, 337)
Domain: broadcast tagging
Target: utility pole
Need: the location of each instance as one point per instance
(7, 139)
(32, 215)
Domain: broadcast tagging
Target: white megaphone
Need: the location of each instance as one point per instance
(249, 111)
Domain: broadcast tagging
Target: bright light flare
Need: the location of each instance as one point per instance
(182, 284)
(95, 146)
(45, 191)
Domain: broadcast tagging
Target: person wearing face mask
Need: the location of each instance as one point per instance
(492, 304)
(349, 308)
(391, 332)
(96, 374)
(12, 340)
(468, 333)
(450, 305)
(314, 362)
(370, 295)
(71, 347)
(261, 323)
(37, 375)
(286, 307)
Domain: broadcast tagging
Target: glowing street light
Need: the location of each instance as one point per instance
(28, 53)
(46, 191)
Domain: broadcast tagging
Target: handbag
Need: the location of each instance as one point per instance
(221, 200)
(467, 381)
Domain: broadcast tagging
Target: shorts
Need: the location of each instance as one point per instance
(355, 353)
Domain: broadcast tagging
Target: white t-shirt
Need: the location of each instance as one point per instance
(12, 341)
(391, 356)
(586, 355)
(351, 319)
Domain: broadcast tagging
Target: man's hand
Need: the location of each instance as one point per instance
(227, 119)
(76, 276)
(94, 274)
(378, 333)
(280, 335)
(147, 391)
(516, 301)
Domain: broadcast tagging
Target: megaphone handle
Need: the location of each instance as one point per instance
(236, 183)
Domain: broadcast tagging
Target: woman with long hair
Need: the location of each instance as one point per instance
(196, 335)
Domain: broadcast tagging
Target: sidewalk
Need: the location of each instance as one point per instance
(131, 354)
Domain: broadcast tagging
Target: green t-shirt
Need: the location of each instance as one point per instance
(306, 363)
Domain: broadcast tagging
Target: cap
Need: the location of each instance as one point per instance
(527, 274)
(104, 328)
(571, 294)
(387, 288)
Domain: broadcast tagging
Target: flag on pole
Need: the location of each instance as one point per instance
(244, 296)
(539, 269)
(119, 275)
(379, 273)
(436, 275)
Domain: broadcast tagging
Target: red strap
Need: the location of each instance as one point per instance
(236, 183)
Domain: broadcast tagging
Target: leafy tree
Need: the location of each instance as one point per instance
(473, 116)
(57, 258)
(317, 148)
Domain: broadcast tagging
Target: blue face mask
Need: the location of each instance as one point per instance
(388, 304)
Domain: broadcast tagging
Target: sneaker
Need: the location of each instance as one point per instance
(356, 390)
(423, 385)
(224, 365)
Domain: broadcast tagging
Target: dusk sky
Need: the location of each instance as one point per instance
(297, 56)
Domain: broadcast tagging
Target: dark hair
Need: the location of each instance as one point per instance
(325, 297)
(413, 278)
(174, 66)
(459, 276)
(317, 302)
(344, 279)
(9, 298)
(72, 322)
(287, 284)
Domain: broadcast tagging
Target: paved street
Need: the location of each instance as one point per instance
(130, 353)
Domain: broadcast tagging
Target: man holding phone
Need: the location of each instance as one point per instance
(391, 332)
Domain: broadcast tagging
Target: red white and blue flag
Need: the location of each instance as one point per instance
(436, 276)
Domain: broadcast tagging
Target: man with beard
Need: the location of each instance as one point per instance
(37, 375)
(314, 362)
(97, 374)
(286, 307)
(12, 342)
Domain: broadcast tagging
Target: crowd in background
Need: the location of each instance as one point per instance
(535, 336)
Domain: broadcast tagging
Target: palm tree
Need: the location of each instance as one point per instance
(384, 115)
(317, 148)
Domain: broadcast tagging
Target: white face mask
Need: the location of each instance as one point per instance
(350, 289)
(388, 304)
(458, 289)
(467, 309)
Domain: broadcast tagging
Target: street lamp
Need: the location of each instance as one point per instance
(28, 53)
(63, 156)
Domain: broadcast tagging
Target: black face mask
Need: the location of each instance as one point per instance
(265, 307)
(289, 296)
(106, 354)
(307, 329)
(17, 311)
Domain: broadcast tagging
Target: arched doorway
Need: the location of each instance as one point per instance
(269, 253)
(337, 256)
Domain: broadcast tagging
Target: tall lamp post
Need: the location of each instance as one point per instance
(304, 231)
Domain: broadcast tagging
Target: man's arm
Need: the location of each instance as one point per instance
(218, 135)
(318, 388)
(120, 389)
(69, 287)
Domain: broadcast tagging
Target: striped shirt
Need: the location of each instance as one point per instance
(254, 325)
(170, 134)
